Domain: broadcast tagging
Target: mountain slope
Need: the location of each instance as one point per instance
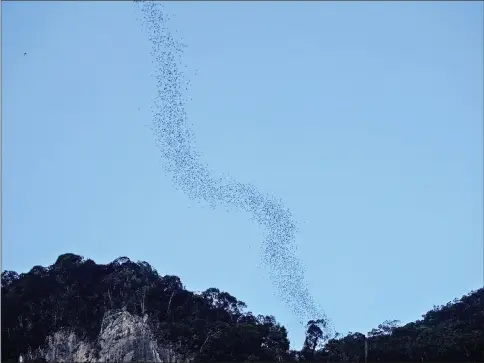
(77, 310)
(75, 294)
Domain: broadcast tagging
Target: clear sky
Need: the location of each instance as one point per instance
(365, 118)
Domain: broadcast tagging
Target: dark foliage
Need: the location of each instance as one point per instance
(75, 293)
(450, 333)
(212, 326)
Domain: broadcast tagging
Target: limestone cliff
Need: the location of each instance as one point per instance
(123, 338)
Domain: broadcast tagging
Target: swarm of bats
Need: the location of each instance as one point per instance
(175, 142)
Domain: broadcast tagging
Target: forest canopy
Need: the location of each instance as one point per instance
(74, 293)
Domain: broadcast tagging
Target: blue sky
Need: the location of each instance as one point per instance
(365, 118)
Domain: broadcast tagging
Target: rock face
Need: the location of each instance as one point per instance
(123, 338)
(127, 338)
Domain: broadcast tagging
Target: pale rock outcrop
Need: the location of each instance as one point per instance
(123, 338)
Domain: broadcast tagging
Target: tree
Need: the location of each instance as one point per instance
(314, 336)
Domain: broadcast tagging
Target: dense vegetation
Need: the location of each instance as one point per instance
(213, 326)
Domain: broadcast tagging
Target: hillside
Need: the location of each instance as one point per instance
(78, 310)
